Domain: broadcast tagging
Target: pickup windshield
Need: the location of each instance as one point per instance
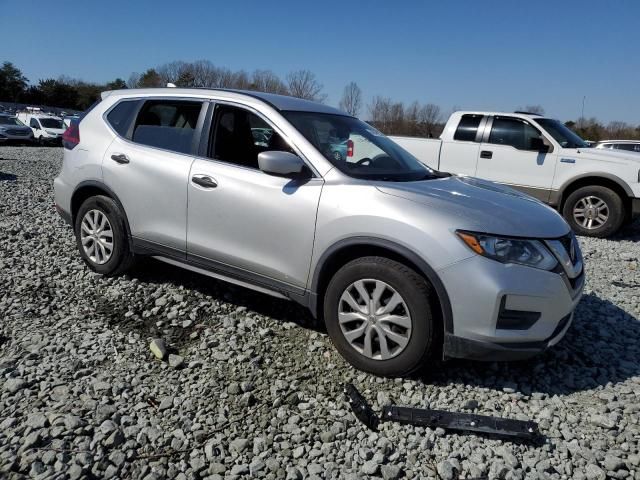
(562, 134)
(357, 149)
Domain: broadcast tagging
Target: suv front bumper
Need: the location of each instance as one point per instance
(479, 289)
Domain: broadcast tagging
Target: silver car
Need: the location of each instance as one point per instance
(13, 130)
(404, 265)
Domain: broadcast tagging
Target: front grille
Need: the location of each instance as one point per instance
(567, 243)
(17, 133)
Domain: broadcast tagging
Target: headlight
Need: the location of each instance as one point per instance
(531, 253)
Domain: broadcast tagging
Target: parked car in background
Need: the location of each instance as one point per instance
(13, 130)
(626, 145)
(402, 263)
(47, 129)
(67, 119)
(596, 190)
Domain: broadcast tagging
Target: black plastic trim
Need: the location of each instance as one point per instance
(110, 193)
(635, 207)
(149, 248)
(413, 257)
(515, 319)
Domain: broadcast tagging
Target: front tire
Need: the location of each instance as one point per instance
(101, 236)
(378, 315)
(594, 211)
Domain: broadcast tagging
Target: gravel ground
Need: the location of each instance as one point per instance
(253, 388)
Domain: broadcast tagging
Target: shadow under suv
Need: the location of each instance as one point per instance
(404, 264)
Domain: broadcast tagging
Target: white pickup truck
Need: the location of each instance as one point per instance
(596, 190)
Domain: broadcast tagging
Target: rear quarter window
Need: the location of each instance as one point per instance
(120, 116)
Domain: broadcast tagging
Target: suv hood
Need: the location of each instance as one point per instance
(483, 206)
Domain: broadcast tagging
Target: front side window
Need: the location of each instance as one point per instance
(513, 132)
(238, 136)
(51, 123)
(561, 133)
(167, 124)
(120, 116)
(629, 147)
(356, 148)
(467, 128)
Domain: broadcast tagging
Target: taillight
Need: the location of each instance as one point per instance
(349, 148)
(71, 136)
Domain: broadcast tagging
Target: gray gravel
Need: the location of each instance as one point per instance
(250, 387)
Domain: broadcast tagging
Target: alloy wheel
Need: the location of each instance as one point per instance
(374, 319)
(96, 236)
(591, 212)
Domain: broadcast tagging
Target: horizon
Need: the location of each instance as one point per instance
(498, 57)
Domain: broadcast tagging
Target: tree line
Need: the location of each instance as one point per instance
(389, 116)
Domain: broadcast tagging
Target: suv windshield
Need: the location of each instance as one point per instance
(565, 137)
(10, 121)
(50, 123)
(357, 149)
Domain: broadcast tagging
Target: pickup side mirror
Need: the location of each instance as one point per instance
(279, 163)
(540, 144)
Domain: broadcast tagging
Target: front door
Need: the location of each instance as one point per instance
(511, 154)
(243, 221)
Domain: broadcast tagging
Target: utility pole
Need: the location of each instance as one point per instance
(583, 99)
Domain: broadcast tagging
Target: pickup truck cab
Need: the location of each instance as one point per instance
(596, 190)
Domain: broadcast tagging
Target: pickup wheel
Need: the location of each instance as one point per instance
(378, 315)
(101, 236)
(594, 211)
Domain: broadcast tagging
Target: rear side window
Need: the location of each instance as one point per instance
(120, 116)
(467, 128)
(628, 146)
(167, 124)
(34, 123)
(513, 132)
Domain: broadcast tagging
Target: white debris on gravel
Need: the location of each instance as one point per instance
(258, 391)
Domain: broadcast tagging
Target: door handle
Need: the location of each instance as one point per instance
(120, 158)
(486, 154)
(204, 181)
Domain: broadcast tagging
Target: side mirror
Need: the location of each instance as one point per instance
(279, 163)
(538, 144)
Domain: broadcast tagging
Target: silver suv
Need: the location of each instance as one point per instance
(404, 265)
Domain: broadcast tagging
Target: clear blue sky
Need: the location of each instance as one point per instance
(467, 54)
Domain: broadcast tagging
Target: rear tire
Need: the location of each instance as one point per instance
(594, 211)
(392, 349)
(101, 236)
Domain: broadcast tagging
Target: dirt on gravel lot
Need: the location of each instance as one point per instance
(259, 390)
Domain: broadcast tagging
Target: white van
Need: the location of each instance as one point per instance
(46, 128)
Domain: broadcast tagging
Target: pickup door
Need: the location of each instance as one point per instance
(512, 152)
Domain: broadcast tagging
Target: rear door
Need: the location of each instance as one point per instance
(245, 222)
(510, 154)
(147, 166)
(460, 155)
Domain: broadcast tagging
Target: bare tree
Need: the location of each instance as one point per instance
(303, 84)
(430, 116)
(134, 80)
(267, 81)
(351, 101)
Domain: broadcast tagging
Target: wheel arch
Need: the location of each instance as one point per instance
(91, 188)
(349, 249)
(602, 179)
